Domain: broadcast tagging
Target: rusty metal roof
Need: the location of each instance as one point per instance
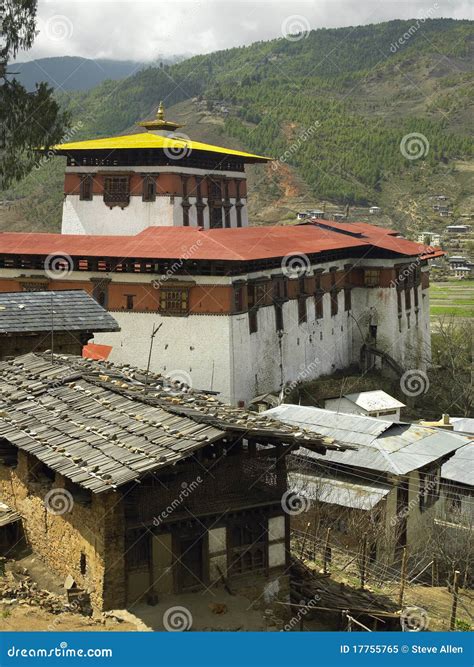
(393, 447)
(92, 422)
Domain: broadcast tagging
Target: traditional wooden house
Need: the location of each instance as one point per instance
(137, 487)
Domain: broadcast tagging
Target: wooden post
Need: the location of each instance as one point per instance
(349, 622)
(452, 624)
(326, 551)
(364, 561)
(304, 539)
(403, 577)
(434, 577)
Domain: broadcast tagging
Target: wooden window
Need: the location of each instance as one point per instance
(253, 321)
(238, 208)
(116, 190)
(129, 301)
(174, 301)
(407, 299)
(280, 288)
(248, 547)
(302, 315)
(186, 206)
(227, 216)
(216, 217)
(318, 304)
(347, 299)
(279, 326)
(85, 188)
(137, 549)
(334, 303)
(100, 293)
(371, 277)
(238, 298)
(149, 188)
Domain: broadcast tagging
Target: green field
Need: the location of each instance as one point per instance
(453, 298)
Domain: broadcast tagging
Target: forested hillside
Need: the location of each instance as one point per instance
(333, 106)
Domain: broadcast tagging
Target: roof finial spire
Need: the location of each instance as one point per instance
(159, 125)
(160, 114)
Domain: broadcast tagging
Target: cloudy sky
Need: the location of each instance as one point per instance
(145, 29)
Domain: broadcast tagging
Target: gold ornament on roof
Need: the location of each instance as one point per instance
(159, 123)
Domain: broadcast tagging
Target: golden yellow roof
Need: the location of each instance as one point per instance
(150, 140)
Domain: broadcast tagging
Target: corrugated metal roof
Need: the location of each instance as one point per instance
(335, 425)
(336, 491)
(66, 310)
(393, 447)
(463, 424)
(460, 467)
(374, 400)
(7, 515)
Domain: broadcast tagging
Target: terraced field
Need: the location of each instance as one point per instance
(453, 298)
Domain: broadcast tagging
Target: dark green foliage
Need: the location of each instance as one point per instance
(27, 119)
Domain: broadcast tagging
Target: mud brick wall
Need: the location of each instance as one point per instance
(78, 542)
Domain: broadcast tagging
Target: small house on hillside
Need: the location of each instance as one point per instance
(389, 487)
(370, 403)
(36, 321)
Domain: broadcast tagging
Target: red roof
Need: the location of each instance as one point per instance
(249, 243)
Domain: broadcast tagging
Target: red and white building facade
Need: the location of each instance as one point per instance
(159, 235)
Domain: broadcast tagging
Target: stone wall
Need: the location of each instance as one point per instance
(77, 541)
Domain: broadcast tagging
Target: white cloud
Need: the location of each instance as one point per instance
(145, 29)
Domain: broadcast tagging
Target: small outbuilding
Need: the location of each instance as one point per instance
(377, 404)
